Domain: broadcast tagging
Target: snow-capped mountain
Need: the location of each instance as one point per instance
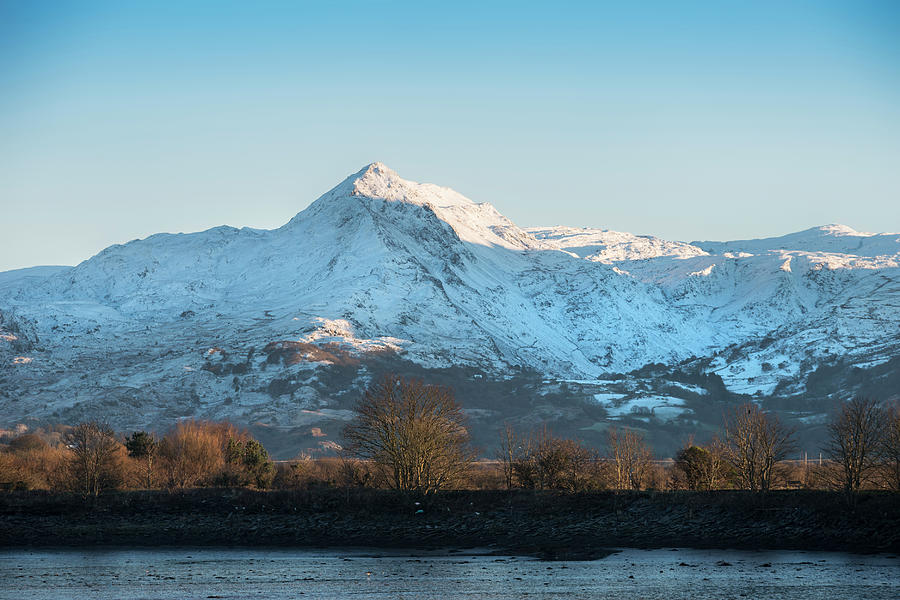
(285, 326)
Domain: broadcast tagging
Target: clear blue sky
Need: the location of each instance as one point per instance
(687, 120)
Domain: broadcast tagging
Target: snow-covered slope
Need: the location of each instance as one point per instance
(834, 239)
(603, 245)
(274, 325)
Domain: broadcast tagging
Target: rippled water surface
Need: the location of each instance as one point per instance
(354, 573)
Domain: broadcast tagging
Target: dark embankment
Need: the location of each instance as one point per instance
(550, 524)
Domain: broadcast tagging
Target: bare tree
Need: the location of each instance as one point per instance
(580, 466)
(506, 453)
(525, 467)
(856, 442)
(717, 470)
(754, 443)
(543, 461)
(415, 432)
(630, 458)
(94, 463)
(891, 447)
(550, 459)
(352, 472)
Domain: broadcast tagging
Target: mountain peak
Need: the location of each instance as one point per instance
(375, 170)
(376, 186)
(378, 168)
(377, 180)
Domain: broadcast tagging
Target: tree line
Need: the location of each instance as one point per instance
(91, 457)
(412, 436)
(747, 456)
(415, 434)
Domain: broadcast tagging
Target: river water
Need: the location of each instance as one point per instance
(179, 573)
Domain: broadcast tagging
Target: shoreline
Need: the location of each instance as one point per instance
(543, 524)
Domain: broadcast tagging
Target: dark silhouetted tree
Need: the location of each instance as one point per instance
(891, 447)
(506, 453)
(856, 442)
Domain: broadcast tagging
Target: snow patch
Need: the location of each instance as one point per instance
(607, 398)
(694, 389)
(341, 332)
(664, 408)
(606, 246)
(786, 265)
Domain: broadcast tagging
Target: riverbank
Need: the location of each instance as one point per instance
(548, 524)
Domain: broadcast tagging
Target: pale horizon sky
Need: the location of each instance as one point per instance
(688, 121)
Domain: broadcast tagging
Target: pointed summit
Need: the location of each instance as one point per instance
(372, 188)
(377, 169)
(377, 180)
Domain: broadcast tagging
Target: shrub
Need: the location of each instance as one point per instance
(193, 453)
(28, 441)
(248, 463)
(699, 468)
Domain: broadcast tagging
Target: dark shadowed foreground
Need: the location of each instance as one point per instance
(549, 525)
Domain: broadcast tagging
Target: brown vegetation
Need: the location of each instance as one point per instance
(411, 436)
(290, 352)
(90, 458)
(34, 469)
(194, 452)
